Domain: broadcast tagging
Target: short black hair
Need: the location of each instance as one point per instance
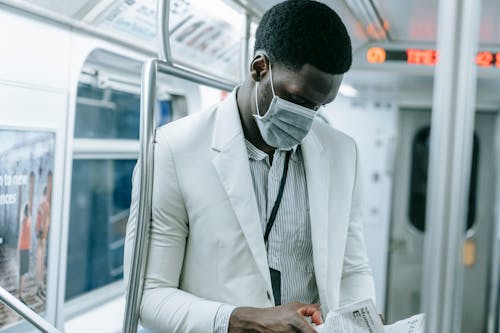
(299, 32)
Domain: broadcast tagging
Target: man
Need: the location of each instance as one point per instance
(256, 203)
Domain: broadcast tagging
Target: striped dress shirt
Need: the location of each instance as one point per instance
(289, 248)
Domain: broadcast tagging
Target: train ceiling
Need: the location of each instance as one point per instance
(387, 22)
(408, 21)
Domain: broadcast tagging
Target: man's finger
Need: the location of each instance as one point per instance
(316, 318)
(308, 309)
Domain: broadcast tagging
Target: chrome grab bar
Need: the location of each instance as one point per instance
(162, 31)
(162, 26)
(24, 311)
(150, 70)
(146, 159)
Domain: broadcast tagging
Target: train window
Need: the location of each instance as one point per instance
(418, 181)
(99, 211)
(104, 113)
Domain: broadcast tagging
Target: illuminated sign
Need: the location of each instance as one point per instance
(428, 57)
(376, 55)
(421, 57)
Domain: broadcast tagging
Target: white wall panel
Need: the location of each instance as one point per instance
(372, 124)
(34, 53)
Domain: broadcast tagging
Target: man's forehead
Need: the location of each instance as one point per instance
(309, 80)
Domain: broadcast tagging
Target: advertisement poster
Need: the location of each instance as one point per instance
(26, 176)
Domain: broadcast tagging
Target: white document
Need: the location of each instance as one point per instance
(415, 324)
(362, 317)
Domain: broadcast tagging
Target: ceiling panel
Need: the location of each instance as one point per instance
(410, 20)
(73, 8)
(358, 37)
(416, 20)
(490, 22)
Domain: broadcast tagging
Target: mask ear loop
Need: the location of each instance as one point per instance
(271, 77)
(257, 88)
(256, 100)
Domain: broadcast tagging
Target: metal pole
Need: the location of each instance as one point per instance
(193, 76)
(162, 30)
(141, 237)
(245, 50)
(450, 163)
(25, 312)
(146, 160)
(494, 304)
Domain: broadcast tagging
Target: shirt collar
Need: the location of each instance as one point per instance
(256, 154)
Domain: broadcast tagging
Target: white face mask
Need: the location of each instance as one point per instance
(285, 124)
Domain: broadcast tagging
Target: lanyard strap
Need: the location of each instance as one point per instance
(277, 203)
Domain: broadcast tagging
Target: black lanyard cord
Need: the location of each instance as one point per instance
(277, 203)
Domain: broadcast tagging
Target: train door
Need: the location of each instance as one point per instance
(408, 220)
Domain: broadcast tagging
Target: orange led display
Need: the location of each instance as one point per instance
(484, 59)
(421, 57)
(376, 55)
(427, 57)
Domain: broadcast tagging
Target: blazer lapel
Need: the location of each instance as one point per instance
(317, 175)
(230, 160)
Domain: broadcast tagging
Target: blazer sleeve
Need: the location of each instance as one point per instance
(357, 281)
(164, 307)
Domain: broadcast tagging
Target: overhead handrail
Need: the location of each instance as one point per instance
(24, 311)
(146, 159)
(162, 31)
(245, 52)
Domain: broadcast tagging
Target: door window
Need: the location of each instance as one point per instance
(419, 176)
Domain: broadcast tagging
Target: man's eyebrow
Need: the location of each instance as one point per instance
(302, 99)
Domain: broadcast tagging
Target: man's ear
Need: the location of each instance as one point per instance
(259, 67)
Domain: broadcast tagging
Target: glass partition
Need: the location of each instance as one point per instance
(106, 113)
(133, 18)
(207, 35)
(100, 204)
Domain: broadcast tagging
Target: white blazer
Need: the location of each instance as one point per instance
(207, 246)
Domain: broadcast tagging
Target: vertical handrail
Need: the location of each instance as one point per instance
(141, 237)
(25, 312)
(494, 304)
(162, 28)
(146, 157)
(146, 171)
(245, 51)
(450, 163)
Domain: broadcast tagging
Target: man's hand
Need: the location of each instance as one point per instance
(280, 319)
